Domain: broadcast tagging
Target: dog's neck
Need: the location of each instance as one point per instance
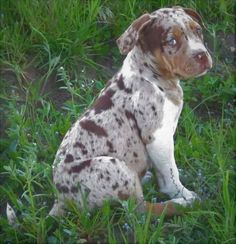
(139, 62)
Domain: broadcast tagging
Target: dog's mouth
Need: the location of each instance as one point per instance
(196, 68)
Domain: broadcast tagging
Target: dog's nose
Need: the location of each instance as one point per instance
(202, 58)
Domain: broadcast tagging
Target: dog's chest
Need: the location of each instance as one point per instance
(171, 113)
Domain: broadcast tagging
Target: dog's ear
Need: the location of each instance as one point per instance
(194, 15)
(129, 38)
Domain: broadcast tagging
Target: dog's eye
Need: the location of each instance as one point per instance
(171, 42)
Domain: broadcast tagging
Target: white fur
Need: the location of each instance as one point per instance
(161, 151)
(196, 46)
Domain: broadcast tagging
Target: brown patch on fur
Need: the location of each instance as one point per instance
(78, 168)
(151, 37)
(69, 158)
(164, 67)
(142, 173)
(104, 102)
(121, 85)
(92, 127)
(123, 196)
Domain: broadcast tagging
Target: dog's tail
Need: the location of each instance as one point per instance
(169, 209)
(11, 215)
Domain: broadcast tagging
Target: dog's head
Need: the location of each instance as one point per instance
(173, 37)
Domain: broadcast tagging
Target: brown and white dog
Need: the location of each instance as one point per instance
(132, 123)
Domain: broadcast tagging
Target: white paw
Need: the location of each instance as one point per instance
(185, 198)
(184, 193)
(189, 194)
(183, 201)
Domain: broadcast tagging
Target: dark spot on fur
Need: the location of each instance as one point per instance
(119, 121)
(104, 102)
(115, 186)
(101, 176)
(140, 112)
(153, 108)
(140, 71)
(131, 116)
(126, 183)
(92, 127)
(156, 76)
(121, 85)
(160, 88)
(69, 158)
(78, 168)
(81, 146)
(108, 178)
(123, 196)
(113, 160)
(135, 154)
(166, 12)
(110, 146)
(61, 188)
(74, 189)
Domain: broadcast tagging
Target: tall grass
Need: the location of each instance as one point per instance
(68, 43)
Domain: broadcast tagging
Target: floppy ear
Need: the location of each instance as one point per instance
(129, 38)
(192, 13)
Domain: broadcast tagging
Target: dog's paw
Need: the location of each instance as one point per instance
(187, 198)
(184, 193)
(190, 195)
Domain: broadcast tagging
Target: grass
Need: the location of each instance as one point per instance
(55, 58)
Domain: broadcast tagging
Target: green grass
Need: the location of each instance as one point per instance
(55, 58)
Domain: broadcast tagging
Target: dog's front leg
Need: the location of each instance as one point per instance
(161, 151)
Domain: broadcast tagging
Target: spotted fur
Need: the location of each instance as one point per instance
(132, 123)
